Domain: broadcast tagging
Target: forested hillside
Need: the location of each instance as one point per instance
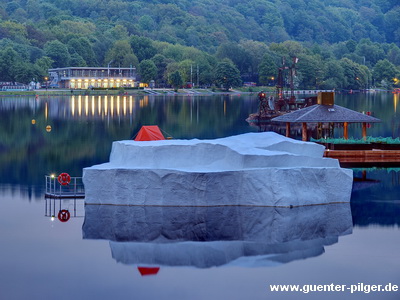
(339, 43)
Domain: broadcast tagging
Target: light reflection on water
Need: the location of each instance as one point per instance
(42, 259)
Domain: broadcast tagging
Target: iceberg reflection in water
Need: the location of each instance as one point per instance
(205, 237)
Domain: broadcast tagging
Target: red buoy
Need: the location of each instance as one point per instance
(64, 179)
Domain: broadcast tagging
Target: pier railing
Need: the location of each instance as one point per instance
(74, 189)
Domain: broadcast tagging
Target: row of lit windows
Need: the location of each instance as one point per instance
(105, 83)
(99, 80)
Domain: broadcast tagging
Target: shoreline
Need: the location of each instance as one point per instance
(121, 92)
(162, 92)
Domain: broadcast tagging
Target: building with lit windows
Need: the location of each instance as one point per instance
(88, 77)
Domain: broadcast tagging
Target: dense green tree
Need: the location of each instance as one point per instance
(13, 30)
(385, 70)
(161, 62)
(148, 70)
(43, 64)
(392, 27)
(256, 51)
(174, 52)
(371, 52)
(311, 71)
(147, 23)
(227, 75)
(394, 55)
(58, 52)
(351, 45)
(175, 80)
(83, 48)
(185, 67)
(292, 48)
(77, 61)
(121, 55)
(117, 33)
(27, 72)
(334, 75)
(355, 76)
(267, 71)
(237, 54)
(9, 59)
(142, 47)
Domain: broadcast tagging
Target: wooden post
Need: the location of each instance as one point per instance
(346, 130)
(287, 129)
(304, 131)
(364, 131)
(319, 130)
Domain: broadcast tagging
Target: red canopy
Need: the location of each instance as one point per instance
(149, 133)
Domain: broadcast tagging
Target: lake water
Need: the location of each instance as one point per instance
(209, 253)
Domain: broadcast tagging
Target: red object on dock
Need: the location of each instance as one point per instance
(149, 133)
(145, 271)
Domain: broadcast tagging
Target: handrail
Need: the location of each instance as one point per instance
(75, 188)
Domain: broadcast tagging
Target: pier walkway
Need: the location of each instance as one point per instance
(74, 188)
(366, 158)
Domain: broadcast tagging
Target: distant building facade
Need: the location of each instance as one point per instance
(88, 77)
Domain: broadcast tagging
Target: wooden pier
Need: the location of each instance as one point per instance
(366, 158)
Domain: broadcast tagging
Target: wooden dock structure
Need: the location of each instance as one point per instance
(366, 158)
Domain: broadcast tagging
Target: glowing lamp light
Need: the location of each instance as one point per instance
(52, 175)
(48, 128)
(33, 121)
(52, 218)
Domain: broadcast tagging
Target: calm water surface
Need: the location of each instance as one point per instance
(101, 257)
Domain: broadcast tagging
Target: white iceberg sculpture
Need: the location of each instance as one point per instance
(261, 169)
(205, 237)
